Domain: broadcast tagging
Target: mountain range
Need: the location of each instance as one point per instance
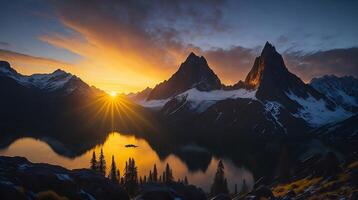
(192, 105)
(270, 100)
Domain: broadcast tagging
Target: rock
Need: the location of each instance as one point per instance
(263, 191)
(291, 193)
(354, 196)
(175, 190)
(21, 179)
(221, 197)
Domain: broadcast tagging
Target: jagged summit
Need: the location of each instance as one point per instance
(268, 49)
(60, 71)
(5, 68)
(194, 72)
(269, 64)
(194, 58)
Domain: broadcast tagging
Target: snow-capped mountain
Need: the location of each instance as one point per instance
(53, 82)
(281, 99)
(342, 90)
(193, 73)
(276, 84)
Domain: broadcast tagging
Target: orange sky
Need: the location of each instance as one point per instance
(126, 47)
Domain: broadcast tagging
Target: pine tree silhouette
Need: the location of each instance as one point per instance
(244, 188)
(113, 174)
(168, 174)
(102, 164)
(93, 162)
(150, 177)
(131, 177)
(155, 174)
(186, 180)
(220, 182)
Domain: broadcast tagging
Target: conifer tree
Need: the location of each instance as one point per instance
(140, 181)
(102, 164)
(93, 165)
(150, 177)
(145, 179)
(168, 174)
(155, 174)
(186, 180)
(113, 174)
(131, 177)
(163, 177)
(220, 183)
(244, 188)
(118, 175)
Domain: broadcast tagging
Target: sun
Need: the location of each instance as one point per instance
(113, 94)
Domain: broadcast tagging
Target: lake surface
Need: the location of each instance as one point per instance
(39, 151)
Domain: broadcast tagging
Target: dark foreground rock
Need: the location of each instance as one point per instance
(21, 179)
(172, 191)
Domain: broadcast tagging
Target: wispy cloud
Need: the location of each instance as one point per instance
(28, 64)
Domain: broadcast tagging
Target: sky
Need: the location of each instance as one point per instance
(125, 46)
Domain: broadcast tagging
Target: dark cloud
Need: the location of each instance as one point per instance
(340, 62)
(129, 38)
(27, 63)
(4, 44)
(233, 64)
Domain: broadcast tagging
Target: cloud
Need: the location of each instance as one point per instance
(4, 44)
(233, 64)
(27, 64)
(129, 45)
(136, 43)
(340, 62)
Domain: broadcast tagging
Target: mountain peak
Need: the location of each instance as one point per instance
(192, 55)
(193, 58)
(269, 63)
(60, 71)
(4, 64)
(193, 73)
(6, 68)
(268, 50)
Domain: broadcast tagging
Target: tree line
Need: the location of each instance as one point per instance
(131, 181)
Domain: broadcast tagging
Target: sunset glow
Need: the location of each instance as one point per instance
(128, 54)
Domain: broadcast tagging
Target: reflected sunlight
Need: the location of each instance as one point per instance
(144, 156)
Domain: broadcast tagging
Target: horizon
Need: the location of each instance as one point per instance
(138, 47)
(114, 92)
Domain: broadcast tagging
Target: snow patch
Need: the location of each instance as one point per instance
(153, 104)
(201, 100)
(63, 177)
(23, 167)
(50, 82)
(273, 108)
(89, 196)
(315, 112)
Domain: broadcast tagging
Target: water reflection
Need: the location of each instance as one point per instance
(39, 151)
